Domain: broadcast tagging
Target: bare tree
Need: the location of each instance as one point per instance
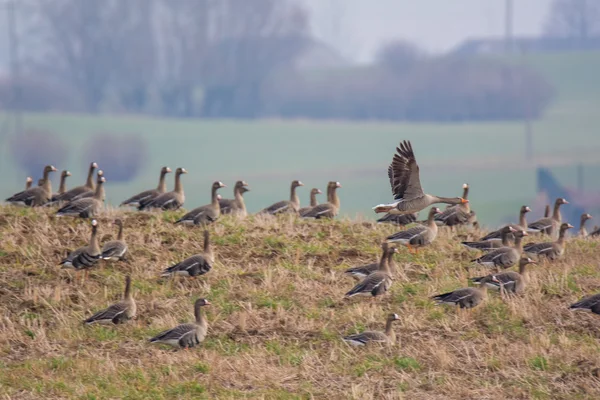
(577, 19)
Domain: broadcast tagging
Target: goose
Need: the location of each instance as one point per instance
(286, 206)
(417, 236)
(406, 185)
(148, 195)
(84, 257)
(235, 206)
(504, 257)
(398, 219)
(589, 303)
(510, 282)
(386, 337)
(550, 250)
(549, 225)
(468, 297)
(547, 211)
(186, 335)
(459, 214)
(86, 207)
(195, 265)
(78, 190)
(35, 196)
(378, 282)
(521, 226)
(117, 313)
(205, 214)
(595, 232)
(62, 188)
(363, 271)
(491, 244)
(115, 249)
(313, 201)
(584, 218)
(329, 209)
(90, 193)
(28, 182)
(170, 200)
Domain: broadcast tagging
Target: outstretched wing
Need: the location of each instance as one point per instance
(404, 173)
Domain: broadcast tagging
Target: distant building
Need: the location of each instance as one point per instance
(482, 46)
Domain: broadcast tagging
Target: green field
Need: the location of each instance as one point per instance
(269, 153)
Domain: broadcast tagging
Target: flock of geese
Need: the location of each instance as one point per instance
(502, 249)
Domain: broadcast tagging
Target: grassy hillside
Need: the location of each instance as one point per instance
(277, 316)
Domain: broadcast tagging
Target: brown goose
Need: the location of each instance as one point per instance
(406, 185)
(329, 209)
(492, 244)
(115, 249)
(28, 182)
(205, 214)
(119, 312)
(468, 297)
(521, 226)
(584, 218)
(195, 265)
(76, 191)
(549, 225)
(186, 335)
(378, 282)
(550, 250)
(417, 236)
(386, 337)
(86, 207)
(286, 206)
(398, 219)
(459, 214)
(590, 303)
(148, 195)
(595, 232)
(84, 257)
(90, 193)
(510, 282)
(363, 271)
(504, 257)
(235, 206)
(35, 196)
(62, 189)
(170, 200)
(313, 201)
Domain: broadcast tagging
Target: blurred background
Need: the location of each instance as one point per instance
(501, 94)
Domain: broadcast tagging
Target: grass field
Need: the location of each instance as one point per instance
(277, 316)
(270, 153)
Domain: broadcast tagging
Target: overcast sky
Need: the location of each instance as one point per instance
(358, 27)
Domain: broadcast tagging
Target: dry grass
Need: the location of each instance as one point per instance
(277, 316)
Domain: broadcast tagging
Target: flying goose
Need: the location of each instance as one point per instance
(119, 312)
(510, 281)
(329, 209)
(35, 196)
(86, 207)
(195, 265)
(459, 214)
(148, 195)
(491, 244)
(521, 226)
(378, 282)
(584, 218)
(205, 214)
(406, 185)
(386, 337)
(286, 206)
(549, 225)
(235, 206)
(170, 200)
(84, 257)
(28, 182)
(417, 236)
(550, 250)
(313, 201)
(115, 249)
(504, 257)
(589, 303)
(78, 190)
(398, 219)
(363, 271)
(186, 335)
(468, 297)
